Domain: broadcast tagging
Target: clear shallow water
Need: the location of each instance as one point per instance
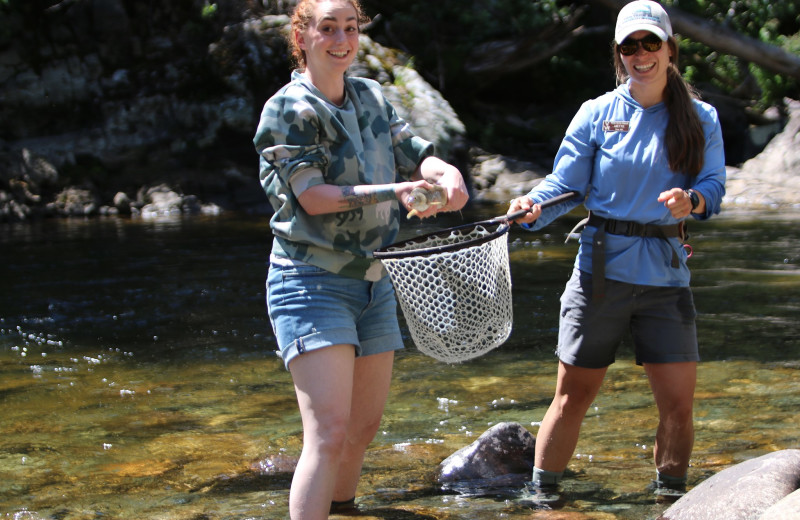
(137, 379)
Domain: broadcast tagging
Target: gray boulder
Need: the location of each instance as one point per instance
(498, 179)
(501, 457)
(770, 179)
(745, 491)
(786, 509)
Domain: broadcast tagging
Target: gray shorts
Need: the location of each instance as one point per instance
(661, 321)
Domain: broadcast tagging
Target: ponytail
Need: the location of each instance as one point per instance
(684, 135)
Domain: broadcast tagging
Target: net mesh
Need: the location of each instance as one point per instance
(457, 304)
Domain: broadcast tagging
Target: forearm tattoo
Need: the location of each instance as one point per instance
(354, 200)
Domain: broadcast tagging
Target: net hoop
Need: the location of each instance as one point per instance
(454, 288)
(417, 246)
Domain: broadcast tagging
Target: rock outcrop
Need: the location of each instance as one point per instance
(110, 100)
(772, 178)
(102, 100)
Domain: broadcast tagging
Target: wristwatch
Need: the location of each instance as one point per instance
(694, 198)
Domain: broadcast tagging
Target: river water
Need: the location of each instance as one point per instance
(138, 380)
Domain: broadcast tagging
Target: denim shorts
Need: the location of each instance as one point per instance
(311, 308)
(660, 320)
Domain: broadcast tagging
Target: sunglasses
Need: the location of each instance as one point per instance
(650, 43)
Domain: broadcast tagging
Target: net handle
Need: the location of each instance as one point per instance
(544, 204)
(503, 220)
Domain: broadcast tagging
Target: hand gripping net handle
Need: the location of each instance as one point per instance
(454, 287)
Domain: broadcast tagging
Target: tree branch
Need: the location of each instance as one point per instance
(726, 41)
(507, 56)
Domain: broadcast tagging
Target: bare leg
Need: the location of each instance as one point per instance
(371, 383)
(323, 382)
(558, 435)
(673, 387)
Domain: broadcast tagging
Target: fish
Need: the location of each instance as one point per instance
(421, 199)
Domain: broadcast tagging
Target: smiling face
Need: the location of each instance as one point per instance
(330, 41)
(647, 70)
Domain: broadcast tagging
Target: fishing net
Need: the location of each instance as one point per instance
(454, 288)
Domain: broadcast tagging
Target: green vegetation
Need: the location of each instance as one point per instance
(570, 44)
(514, 70)
(443, 34)
(775, 23)
(208, 11)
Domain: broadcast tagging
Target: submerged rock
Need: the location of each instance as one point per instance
(501, 457)
(276, 463)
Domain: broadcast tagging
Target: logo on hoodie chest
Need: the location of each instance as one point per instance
(616, 126)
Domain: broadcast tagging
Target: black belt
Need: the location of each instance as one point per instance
(630, 229)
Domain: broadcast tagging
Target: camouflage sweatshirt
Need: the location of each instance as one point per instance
(362, 142)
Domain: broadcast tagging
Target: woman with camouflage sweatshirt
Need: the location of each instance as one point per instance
(331, 150)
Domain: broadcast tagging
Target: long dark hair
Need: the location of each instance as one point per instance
(684, 136)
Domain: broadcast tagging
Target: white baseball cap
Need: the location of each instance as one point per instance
(642, 15)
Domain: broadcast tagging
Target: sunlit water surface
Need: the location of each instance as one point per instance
(138, 380)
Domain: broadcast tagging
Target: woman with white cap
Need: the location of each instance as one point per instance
(646, 156)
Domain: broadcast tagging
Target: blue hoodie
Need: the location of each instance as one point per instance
(614, 153)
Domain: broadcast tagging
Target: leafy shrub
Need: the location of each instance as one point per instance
(773, 22)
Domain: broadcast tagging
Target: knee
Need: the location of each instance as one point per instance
(570, 409)
(678, 414)
(576, 402)
(328, 437)
(334, 436)
(362, 434)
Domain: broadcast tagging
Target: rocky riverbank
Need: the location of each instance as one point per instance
(121, 119)
(143, 141)
(772, 178)
(768, 181)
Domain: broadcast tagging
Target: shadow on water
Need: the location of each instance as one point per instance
(138, 379)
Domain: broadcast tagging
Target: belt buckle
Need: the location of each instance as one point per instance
(683, 231)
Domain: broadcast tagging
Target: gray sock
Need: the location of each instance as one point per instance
(339, 506)
(666, 481)
(544, 478)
